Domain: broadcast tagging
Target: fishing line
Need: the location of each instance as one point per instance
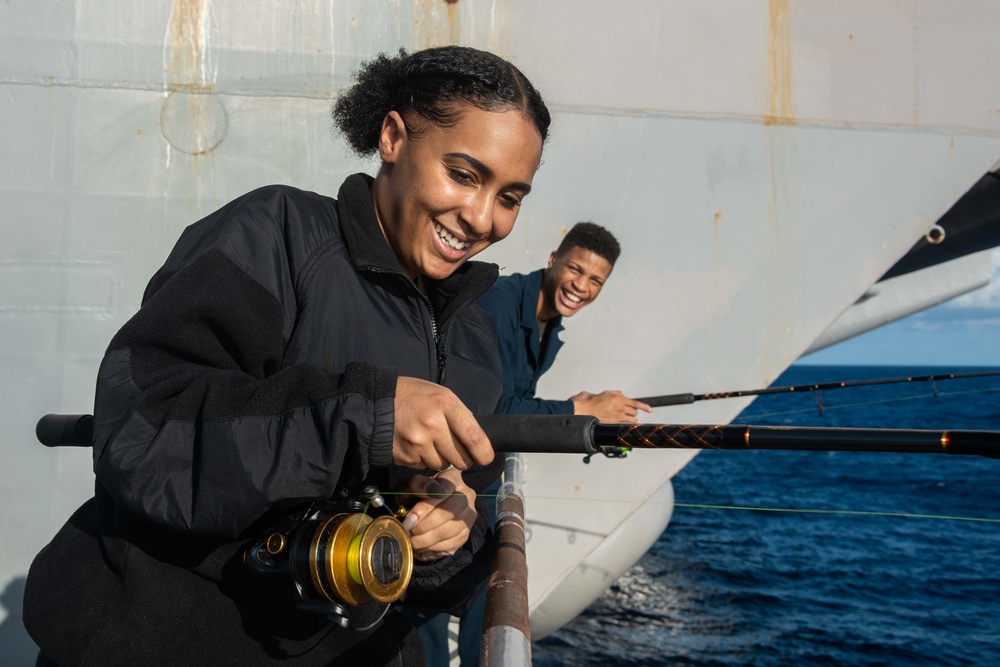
(904, 515)
(793, 510)
(356, 540)
(875, 402)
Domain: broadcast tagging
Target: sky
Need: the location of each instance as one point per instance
(961, 332)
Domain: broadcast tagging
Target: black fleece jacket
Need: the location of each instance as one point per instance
(258, 375)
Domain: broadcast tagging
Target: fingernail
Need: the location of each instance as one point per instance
(410, 521)
(435, 489)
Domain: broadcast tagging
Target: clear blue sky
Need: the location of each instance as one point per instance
(961, 332)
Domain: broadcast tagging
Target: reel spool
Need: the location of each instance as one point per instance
(345, 564)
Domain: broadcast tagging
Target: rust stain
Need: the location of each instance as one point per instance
(716, 218)
(781, 108)
(779, 130)
(192, 118)
(193, 88)
(434, 27)
(454, 22)
(186, 39)
(440, 22)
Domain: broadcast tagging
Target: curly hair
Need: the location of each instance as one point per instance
(428, 83)
(591, 237)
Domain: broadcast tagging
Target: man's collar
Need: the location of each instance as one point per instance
(529, 303)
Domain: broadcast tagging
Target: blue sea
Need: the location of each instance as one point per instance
(825, 571)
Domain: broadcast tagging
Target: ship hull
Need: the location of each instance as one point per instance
(763, 164)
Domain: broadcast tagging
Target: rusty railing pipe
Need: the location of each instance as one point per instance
(506, 633)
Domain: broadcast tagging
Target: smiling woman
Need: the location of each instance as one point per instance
(451, 192)
(296, 348)
(456, 162)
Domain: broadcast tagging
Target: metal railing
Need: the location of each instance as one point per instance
(506, 633)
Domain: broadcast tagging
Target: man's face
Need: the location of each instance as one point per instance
(572, 280)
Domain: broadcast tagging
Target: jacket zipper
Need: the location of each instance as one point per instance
(439, 355)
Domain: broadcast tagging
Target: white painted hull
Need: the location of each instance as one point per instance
(762, 163)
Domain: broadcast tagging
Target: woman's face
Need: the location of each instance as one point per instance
(448, 193)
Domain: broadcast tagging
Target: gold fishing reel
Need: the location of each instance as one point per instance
(354, 559)
(343, 562)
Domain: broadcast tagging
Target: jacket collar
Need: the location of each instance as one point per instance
(369, 251)
(529, 304)
(362, 234)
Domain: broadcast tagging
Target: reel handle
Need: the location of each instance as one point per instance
(65, 430)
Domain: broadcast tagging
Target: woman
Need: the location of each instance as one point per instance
(293, 346)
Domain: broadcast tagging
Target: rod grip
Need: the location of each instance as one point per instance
(65, 430)
(555, 434)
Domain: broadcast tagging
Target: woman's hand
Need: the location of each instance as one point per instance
(440, 523)
(434, 429)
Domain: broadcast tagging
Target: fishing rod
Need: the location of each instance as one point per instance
(684, 399)
(350, 559)
(582, 434)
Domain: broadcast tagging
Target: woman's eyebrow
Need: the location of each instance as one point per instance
(486, 171)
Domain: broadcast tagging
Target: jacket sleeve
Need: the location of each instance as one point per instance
(450, 585)
(198, 427)
(505, 310)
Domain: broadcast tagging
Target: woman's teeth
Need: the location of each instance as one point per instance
(450, 240)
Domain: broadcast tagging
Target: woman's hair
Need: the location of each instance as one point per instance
(428, 84)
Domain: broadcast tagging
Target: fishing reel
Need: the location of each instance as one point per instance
(344, 562)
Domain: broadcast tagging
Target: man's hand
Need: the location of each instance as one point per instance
(440, 523)
(433, 429)
(608, 406)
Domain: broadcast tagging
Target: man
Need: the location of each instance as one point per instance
(528, 311)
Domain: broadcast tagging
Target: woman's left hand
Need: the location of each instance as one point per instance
(440, 522)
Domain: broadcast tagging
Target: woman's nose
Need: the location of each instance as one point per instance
(478, 214)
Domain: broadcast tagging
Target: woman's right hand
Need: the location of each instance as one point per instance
(434, 429)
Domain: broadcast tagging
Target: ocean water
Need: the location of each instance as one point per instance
(836, 577)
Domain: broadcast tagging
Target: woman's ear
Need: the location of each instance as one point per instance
(392, 137)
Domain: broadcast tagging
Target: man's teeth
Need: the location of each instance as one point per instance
(449, 239)
(572, 297)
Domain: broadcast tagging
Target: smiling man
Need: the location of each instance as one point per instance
(528, 311)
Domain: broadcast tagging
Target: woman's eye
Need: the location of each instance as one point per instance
(509, 201)
(459, 176)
